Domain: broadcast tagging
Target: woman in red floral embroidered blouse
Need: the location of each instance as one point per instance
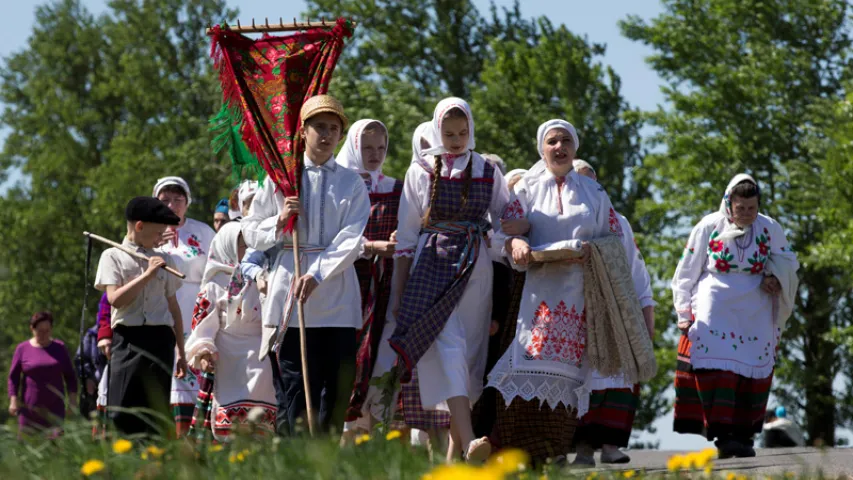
(730, 290)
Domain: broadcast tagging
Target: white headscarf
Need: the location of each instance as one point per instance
(222, 259)
(733, 231)
(350, 156)
(223, 269)
(247, 189)
(435, 134)
(512, 173)
(423, 131)
(166, 181)
(551, 125)
(579, 164)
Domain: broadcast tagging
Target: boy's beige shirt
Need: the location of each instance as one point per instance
(150, 307)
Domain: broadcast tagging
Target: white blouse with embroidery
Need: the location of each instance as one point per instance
(718, 282)
(336, 208)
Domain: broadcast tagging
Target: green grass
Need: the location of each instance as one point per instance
(254, 458)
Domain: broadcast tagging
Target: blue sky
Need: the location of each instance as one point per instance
(596, 20)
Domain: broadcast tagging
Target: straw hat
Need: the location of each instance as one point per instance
(323, 104)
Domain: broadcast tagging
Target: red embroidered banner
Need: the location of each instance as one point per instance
(264, 84)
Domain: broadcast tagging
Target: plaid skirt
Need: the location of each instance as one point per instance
(610, 417)
(717, 403)
(541, 432)
(414, 414)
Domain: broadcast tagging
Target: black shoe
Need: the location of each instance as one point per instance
(732, 448)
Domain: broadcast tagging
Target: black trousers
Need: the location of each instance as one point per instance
(140, 379)
(331, 370)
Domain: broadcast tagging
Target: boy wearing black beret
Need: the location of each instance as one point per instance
(146, 320)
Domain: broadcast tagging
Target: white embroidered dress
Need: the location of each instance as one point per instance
(189, 249)
(227, 324)
(718, 282)
(546, 360)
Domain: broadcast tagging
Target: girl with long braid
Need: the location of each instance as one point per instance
(443, 274)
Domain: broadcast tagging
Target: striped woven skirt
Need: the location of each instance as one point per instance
(717, 403)
(610, 417)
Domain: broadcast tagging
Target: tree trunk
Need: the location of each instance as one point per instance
(819, 355)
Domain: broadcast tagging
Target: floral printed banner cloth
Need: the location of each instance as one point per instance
(264, 83)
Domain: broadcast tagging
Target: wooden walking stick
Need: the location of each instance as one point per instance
(131, 252)
(303, 349)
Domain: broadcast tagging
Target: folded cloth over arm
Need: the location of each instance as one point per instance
(784, 268)
(617, 338)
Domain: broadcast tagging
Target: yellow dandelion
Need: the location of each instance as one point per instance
(709, 453)
(462, 471)
(592, 476)
(153, 452)
(122, 446)
(629, 473)
(509, 461)
(675, 463)
(216, 448)
(238, 457)
(362, 439)
(393, 435)
(731, 476)
(741, 477)
(709, 468)
(91, 467)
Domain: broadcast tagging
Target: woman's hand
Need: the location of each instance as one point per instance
(520, 251)
(13, 406)
(168, 235)
(207, 363)
(684, 326)
(516, 226)
(381, 249)
(771, 285)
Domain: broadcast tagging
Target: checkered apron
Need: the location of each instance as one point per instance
(374, 278)
(443, 267)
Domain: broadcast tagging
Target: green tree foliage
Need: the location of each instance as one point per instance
(742, 79)
(98, 108)
(516, 73)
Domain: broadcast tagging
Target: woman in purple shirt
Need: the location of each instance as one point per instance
(41, 375)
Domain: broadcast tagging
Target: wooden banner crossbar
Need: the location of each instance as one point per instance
(280, 27)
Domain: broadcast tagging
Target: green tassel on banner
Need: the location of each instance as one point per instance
(244, 165)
